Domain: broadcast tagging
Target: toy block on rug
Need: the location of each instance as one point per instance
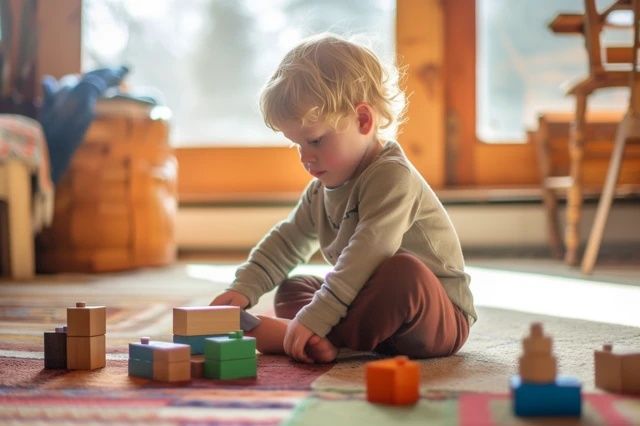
(55, 348)
(393, 381)
(86, 345)
(197, 367)
(230, 357)
(192, 325)
(201, 320)
(537, 390)
(196, 343)
(161, 361)
(617, 372)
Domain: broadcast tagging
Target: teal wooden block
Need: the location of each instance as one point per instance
(145, 351)
(233, 346)
(196, 342)
(230, 369)
(141, 368)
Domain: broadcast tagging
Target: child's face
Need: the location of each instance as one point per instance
(334, 156)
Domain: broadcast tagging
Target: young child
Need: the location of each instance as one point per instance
(398, 284)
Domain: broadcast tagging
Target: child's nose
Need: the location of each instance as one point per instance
(305, 157)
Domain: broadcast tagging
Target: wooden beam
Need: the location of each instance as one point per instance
(420, 44)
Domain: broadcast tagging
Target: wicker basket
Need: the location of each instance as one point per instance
(115, 207)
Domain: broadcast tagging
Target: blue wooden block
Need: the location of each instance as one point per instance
(196, 342)
(145, 352)
(561, 398)
(141, 368)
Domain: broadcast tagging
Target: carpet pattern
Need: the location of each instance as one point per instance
(465, 409)
(139, 304)
(490, 356)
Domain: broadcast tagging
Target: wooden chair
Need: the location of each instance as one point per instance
(551, 138)
(590, 25)
(628, 132)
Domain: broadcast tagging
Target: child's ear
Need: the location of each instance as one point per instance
(365, 118)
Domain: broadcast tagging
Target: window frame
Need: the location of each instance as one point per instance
(435, 43)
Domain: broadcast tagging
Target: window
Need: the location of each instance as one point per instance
(207, 59)
(523, 68)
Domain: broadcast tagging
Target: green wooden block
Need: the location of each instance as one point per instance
(230, 369)
(140, 368)
(233, 346)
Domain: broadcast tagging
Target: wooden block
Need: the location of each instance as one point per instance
(617, 372)
(233, 346)
(172, 371)
(86, 320)
(197, 367)
(155, 351)
(562, 397)
(538, 368)
(393, 381)
(55, 348)
(140, 368)
(537, 364)
(230, 369)
(540, 345)
(86, 353)
(195, 342)
(199, 320)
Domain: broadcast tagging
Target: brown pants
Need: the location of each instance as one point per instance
(402, 310)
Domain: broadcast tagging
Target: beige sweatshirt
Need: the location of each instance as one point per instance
(388, 207)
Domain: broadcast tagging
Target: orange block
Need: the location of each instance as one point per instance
(393, 381)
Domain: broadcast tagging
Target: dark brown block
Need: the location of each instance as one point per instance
(55, 348)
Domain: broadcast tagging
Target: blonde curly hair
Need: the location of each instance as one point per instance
(324, 78)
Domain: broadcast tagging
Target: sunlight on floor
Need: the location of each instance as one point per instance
(525, 292)
(557, 296)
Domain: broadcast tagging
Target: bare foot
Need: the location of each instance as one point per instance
(269, 335)
(321, 350)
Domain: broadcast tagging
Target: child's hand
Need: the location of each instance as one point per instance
(295, 341)
(232, 298)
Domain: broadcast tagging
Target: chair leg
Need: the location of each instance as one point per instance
(574, 196)
(604, 204)
(553, 226)
(549, 198)
(21, 257)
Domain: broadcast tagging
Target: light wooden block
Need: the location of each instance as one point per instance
(86, 353)
(538, 368)
(542, 345)
(86, 320)
(200, 320)
(172, 371)
(617, 372)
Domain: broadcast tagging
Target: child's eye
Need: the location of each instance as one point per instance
(314, 142)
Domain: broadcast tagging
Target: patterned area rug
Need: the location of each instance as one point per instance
(454, 390)
(138, 304)
(465, 409)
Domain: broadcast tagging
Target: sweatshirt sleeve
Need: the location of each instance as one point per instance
(388, 204)
(289, 243)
